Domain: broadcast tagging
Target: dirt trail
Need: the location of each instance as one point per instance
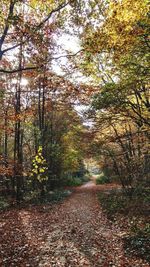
(73, 233)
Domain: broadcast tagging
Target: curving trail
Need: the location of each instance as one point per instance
(73, 233)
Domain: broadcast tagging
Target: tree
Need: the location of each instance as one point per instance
(39, 171)
(28, 27)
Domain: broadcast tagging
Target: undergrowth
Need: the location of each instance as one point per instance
(102, 179)
(132, 216)
(76, 181)
(49, 197)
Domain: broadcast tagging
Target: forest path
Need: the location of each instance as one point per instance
(73, 233)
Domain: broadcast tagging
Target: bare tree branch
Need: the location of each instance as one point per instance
(37, 27)
(40, 66)
(6, 28)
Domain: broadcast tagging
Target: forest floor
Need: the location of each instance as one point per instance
(75, 232)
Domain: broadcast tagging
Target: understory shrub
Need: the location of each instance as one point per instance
(3, 203)
(102, 179)
(132, 216)
(77, 181)
(73, 181)
(138, 243)
(50, 197)
(116, 201)
(112, 203)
